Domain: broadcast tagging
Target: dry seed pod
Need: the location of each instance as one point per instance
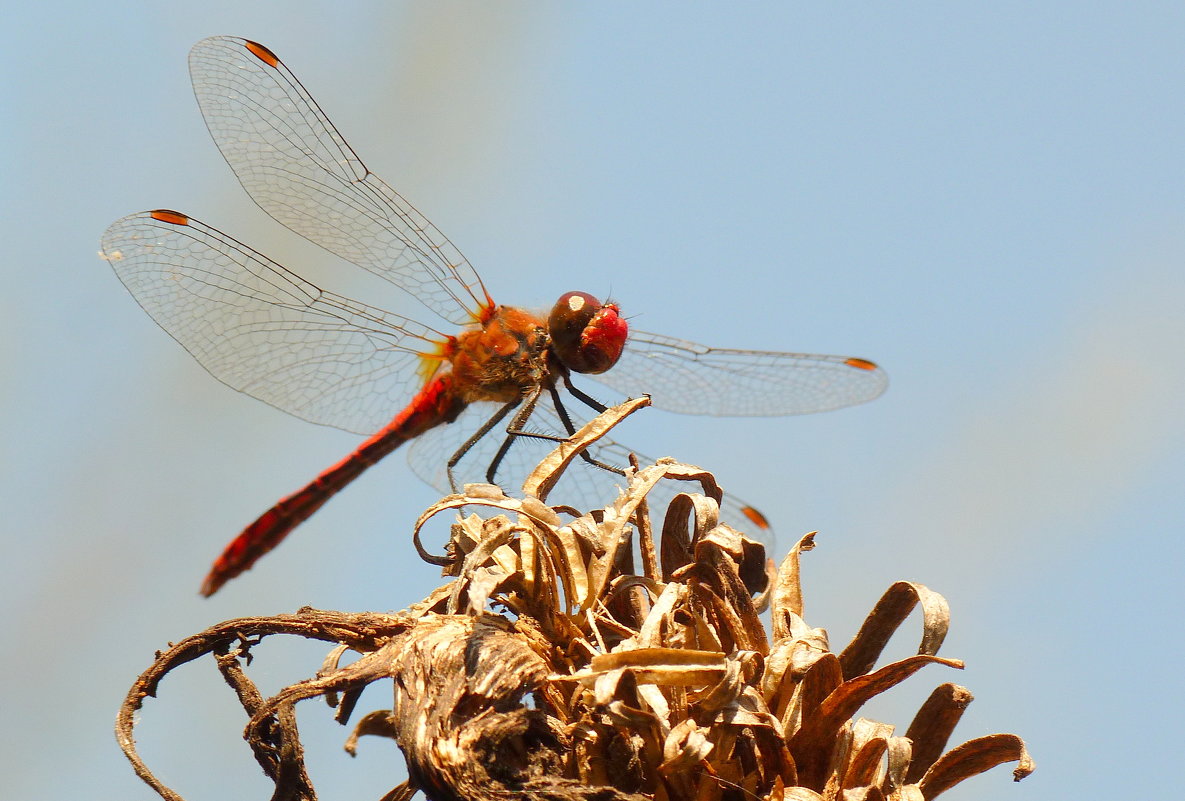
(656, 682)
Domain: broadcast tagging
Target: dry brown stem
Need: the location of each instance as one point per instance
(658, 684)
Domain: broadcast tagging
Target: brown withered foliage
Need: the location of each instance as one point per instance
(619, 654)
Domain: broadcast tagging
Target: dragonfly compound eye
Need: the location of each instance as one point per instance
(586, 335)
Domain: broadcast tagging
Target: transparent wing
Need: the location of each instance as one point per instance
(264, 330)
(688, 378)
(583, 486)
(298, 168)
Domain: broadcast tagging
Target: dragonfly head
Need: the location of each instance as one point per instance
(586, 335)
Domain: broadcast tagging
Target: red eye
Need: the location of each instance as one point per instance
(586, 335)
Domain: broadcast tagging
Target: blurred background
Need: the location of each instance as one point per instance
(986, 202)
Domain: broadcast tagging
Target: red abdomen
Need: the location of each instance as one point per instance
(437, 403)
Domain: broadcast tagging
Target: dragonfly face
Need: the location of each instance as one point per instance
(587, 337)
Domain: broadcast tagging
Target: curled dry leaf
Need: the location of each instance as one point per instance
(889, 612)
(571, 655)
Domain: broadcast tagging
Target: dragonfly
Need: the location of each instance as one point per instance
(473, 390)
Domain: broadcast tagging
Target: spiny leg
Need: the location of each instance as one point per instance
(583, 397)
(475, 438)
(571, 427)
(515, 429)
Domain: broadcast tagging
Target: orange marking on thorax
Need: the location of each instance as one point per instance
(502, 358)
(486, 311)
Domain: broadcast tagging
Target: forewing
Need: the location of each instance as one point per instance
(298, 168)
(684, 377)
(265, 331)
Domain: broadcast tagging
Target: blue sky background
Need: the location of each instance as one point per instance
(987, 202)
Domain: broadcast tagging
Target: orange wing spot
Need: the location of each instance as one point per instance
(262, 53)
(170, 217)
(862, 364)
(755, 517)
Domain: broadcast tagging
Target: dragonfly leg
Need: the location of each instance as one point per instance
(486, 427)
(571, 428)
(515, 429)
(583, 397)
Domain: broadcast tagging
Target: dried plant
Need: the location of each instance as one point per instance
(627, 659)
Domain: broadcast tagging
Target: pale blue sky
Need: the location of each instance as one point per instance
(987, 202)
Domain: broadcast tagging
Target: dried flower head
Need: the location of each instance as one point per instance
(616, 654)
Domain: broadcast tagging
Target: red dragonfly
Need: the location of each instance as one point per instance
(265, 331)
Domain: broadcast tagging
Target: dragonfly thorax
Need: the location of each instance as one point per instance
(502, 358)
